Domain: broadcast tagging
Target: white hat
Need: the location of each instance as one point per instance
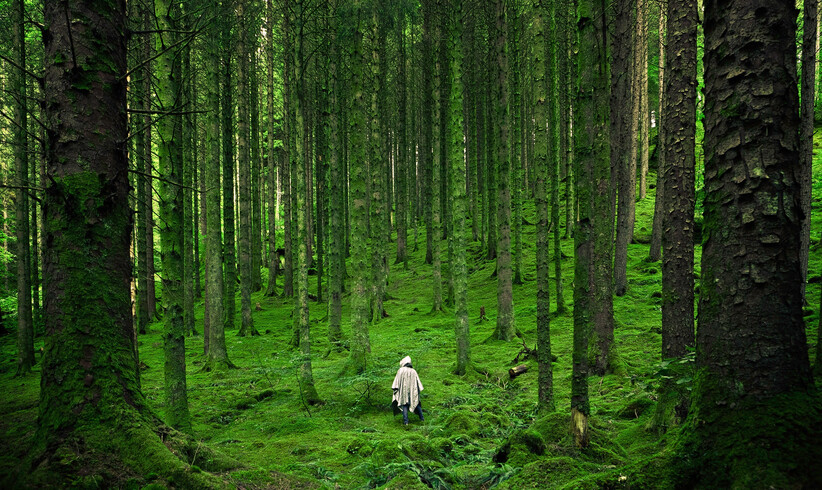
(405, 360)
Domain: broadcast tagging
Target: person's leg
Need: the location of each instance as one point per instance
(418, 411)
(404, 414)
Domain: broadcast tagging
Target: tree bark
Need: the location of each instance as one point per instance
(25, 326)
(621, 136)
(655, 252)
(752, 355)
(806, 133)
(506, 326)
(542, 47)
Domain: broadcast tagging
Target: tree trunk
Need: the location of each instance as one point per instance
(591, 166)
(244, 163)
(256, 191)
(271, 155)
(644, 114)
(427, 142)
(360, 344)
(436, 167)
(458, 204)
(679, 99)
(90, 380)
(516, 142)
(170, 170)
(336, 238)
(752, 356)
(402, 153)
(621, 136)
(25, 327)
(229, 169)
(655, 252)
(214, 332)
(142, 88)
(806, 134)
(506, 327)
(541, 56)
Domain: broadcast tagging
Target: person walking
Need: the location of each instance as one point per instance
(407, 387)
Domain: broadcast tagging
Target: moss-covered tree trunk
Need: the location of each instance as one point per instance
(806, 130)
(679, 98)
(602, 306)
(90, 400)
(754, 405)
(256, 187)
(621, 136)
(171, 194)
(589, 158)
(402, 145)
(214, 332)
(427, 140)
(25, 325)
(229, 168)
(244, 166)
(539, 51)
(655, 252)
(189, 223)
(360, 343)
(271, 154)
(506, 328)
(458, 197)
(148, 152)
(336, 238)
(644, 114)
(554, 40)
(288, 140)
(377, 157)
(516, 140)
(436, 167)
(141, 87)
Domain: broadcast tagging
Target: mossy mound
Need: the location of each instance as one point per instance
(462, 422)
(635, 407)
(418, 448)
(759, 444)
(522, 447)
(387, 452)
(554, 427)
(405, 479)
(549, 473)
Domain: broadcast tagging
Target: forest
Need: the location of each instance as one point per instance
(592, 229)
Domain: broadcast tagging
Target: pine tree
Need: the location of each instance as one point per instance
(360, 344)
(540, 49)
(752, 355)
(506, 327)
(679, 98)
(25, 326)
(171, 194)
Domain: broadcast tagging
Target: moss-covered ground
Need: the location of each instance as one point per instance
(480, 431)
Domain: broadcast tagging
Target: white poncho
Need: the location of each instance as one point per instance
(407, 385)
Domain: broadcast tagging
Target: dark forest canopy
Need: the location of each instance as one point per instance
(593, 225)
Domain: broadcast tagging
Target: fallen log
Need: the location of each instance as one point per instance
(517, 370)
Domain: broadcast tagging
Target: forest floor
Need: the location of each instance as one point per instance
(480, 430)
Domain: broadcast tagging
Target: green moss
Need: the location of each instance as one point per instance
(756, 443)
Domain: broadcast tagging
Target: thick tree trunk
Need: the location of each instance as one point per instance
(752, 355)
(336, 237)
(427, 143)
(644, 114)
(142, 88)
(90, 400)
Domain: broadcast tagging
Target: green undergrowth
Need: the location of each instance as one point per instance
(481, 430)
